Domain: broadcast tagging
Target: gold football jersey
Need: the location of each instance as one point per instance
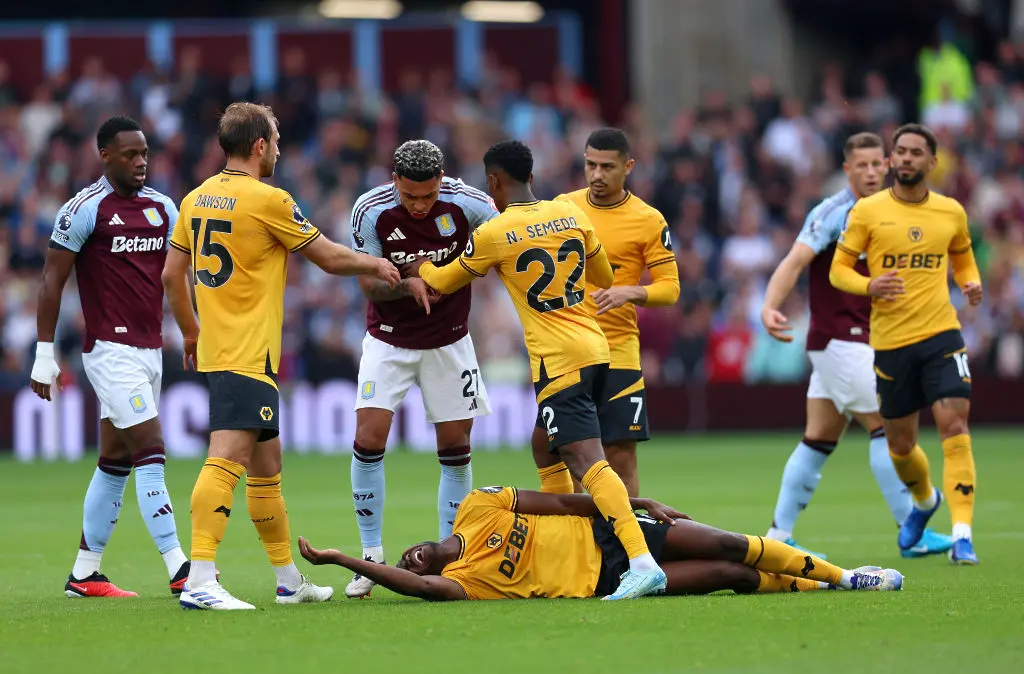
(239, 232)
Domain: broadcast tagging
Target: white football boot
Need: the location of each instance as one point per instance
(211, 597)
(308, 593)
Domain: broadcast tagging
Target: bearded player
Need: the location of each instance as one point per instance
(842, 380)
(415, 336)
(114, 233)
(544, 252)
(513, 544)
(912, 236)
(637, 239)
(232, 245)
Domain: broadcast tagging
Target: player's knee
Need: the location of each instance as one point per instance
(954, 426)
(901, 441)
(741, 579)
(372, 437)
(454, 433)
(729, 546)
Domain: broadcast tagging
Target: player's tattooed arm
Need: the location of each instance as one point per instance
(432, 588)
(376, 290)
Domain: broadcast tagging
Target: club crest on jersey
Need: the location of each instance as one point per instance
(64, 223)
(266, 413)
(369, 390)
(494, 540)
(138, 404)
(153, 216)
(915, 234)
(445, 224)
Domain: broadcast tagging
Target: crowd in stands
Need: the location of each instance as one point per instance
(733, 178)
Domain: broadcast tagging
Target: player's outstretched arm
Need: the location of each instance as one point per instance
(340, 260)
(176, 288)
(56, 270)
(446, 279)
(431, 588)
(582, 505)
(780, 285)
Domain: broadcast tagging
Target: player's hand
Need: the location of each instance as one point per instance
(421, 292)
(412, 269)
(45, 371)
(386, 272)
(888, 286)
(663, 513)
(777, 325)
(317, 557)
(190, 359)
(614, 297)
(973, 293)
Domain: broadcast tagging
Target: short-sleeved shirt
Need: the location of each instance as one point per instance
(382, 227)
(636, 237)
(540, 250)
(239, 232)
(916, 240)
(508, 555)
(834, 314)
(121, 246)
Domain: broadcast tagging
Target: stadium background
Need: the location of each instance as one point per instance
(736, 110)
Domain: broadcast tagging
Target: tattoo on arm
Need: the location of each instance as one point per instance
(377, 290)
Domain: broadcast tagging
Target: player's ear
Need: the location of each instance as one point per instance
(530, 180)
(630, 163)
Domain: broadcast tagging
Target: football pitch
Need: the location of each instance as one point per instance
(945, 617)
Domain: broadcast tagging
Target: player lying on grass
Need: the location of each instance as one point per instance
(512, 544)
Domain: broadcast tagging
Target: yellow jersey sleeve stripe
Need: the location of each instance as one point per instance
(960, 251)
(470, 269)
(181, 248)
(662, 261)
(847, 250)
(306, 242)
(595, 251)
(515, 498)
(462, 545)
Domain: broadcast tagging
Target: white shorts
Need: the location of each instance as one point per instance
(126, 380)
(845, 374)
(449, 378)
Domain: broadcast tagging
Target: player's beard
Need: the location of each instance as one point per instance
(267, 167)
(910, 181)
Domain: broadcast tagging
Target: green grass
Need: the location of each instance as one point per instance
(946, 616)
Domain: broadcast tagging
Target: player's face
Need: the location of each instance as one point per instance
(126, 158)
(911, 159)
(866, 169)
(417, 197)
(422, 559)
(270, 155)
(606, 171)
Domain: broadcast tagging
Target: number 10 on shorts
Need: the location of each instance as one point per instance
(961, 365)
